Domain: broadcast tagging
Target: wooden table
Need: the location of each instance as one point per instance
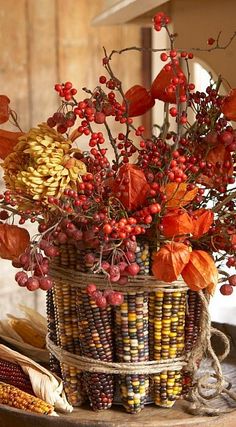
(151, 416)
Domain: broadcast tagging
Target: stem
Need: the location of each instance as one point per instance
(14, 118)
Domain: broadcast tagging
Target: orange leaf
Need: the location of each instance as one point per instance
(176, 223)
(130, 186)
(13, 241)
(228, 107)
(170, 260)
(200, 272)
(139, 100)
(74, 135)
(8, 140)
(4, 108)
(178, 195)
(163, 81)
(202, 220)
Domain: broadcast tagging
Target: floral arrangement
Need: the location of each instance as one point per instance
(173, 190)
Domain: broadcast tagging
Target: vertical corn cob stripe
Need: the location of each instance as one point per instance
(68, 335)
(95, 333)
(13, 374)
(166, 340)
(14, 397)
(192, 328)
(51, 320)
(131, 329)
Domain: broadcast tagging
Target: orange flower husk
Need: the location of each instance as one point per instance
(8, 140)
(131, 187)
(178, 195)
(4, 108)
(170, 260)
(202, 220)
(228, 107)
(13, 241)
(163, 80)
(217, 154)
(176, 223)
(200, 272)
(139, 100)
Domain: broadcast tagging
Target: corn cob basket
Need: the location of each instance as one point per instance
(131, 354)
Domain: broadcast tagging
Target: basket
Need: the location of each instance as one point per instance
(142, 344)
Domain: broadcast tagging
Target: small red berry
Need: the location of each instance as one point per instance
(226, 289)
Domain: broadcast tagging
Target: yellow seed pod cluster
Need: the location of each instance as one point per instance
(41, 164)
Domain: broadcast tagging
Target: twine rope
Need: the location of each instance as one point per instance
(83, 363)
(208, 385)
(142, 283)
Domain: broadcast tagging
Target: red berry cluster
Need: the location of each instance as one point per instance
(104, 298)
(160, 20)
(65, 90)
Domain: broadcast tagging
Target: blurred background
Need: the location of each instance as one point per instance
(43, 42)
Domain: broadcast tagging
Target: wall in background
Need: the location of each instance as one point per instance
(43, 42)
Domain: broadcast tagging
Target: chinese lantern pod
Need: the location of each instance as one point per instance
(163, 81)
(202, 220)
(228, 107)
(170, 260)
(178, 195)
(139, 100)
(176, 223)
(200, 272)
(13, 241)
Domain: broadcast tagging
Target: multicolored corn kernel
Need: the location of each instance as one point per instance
(12, 373)
(95, 334)
(167, 387)
(51, 321)
(68, 338)
(166, 339)
(131, 333)
(14, 397)
(192, 329)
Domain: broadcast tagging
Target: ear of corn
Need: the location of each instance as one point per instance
(95, 332)
(29, 335)
(166, 341)
(13, 374)
(16, 398)
(52, 321)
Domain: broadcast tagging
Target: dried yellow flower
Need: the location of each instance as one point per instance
(41, 164)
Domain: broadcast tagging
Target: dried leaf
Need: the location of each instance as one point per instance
(139, 100)
(131, 186)
(200, 272)
(4, 108)
(170, 260)
(13, 241)
(8, 140)
(202, 220)
(178, 195)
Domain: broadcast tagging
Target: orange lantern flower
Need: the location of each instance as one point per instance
(218, 154)
(163, 81)
(200, 272)
(202, 220)
(178, 195)
(170, 260)
(228, 107)
(130, 186)
(139, 100)
(177, 222)
(8, 140)
(13, 241)
(4, 108)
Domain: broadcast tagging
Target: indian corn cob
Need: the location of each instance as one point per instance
(166, 341)
(12, 373)
(131, 330)
(67, 328)
(16, 398)
(51, 320)
(95, 333)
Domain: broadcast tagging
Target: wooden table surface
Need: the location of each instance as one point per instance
(151, 416)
